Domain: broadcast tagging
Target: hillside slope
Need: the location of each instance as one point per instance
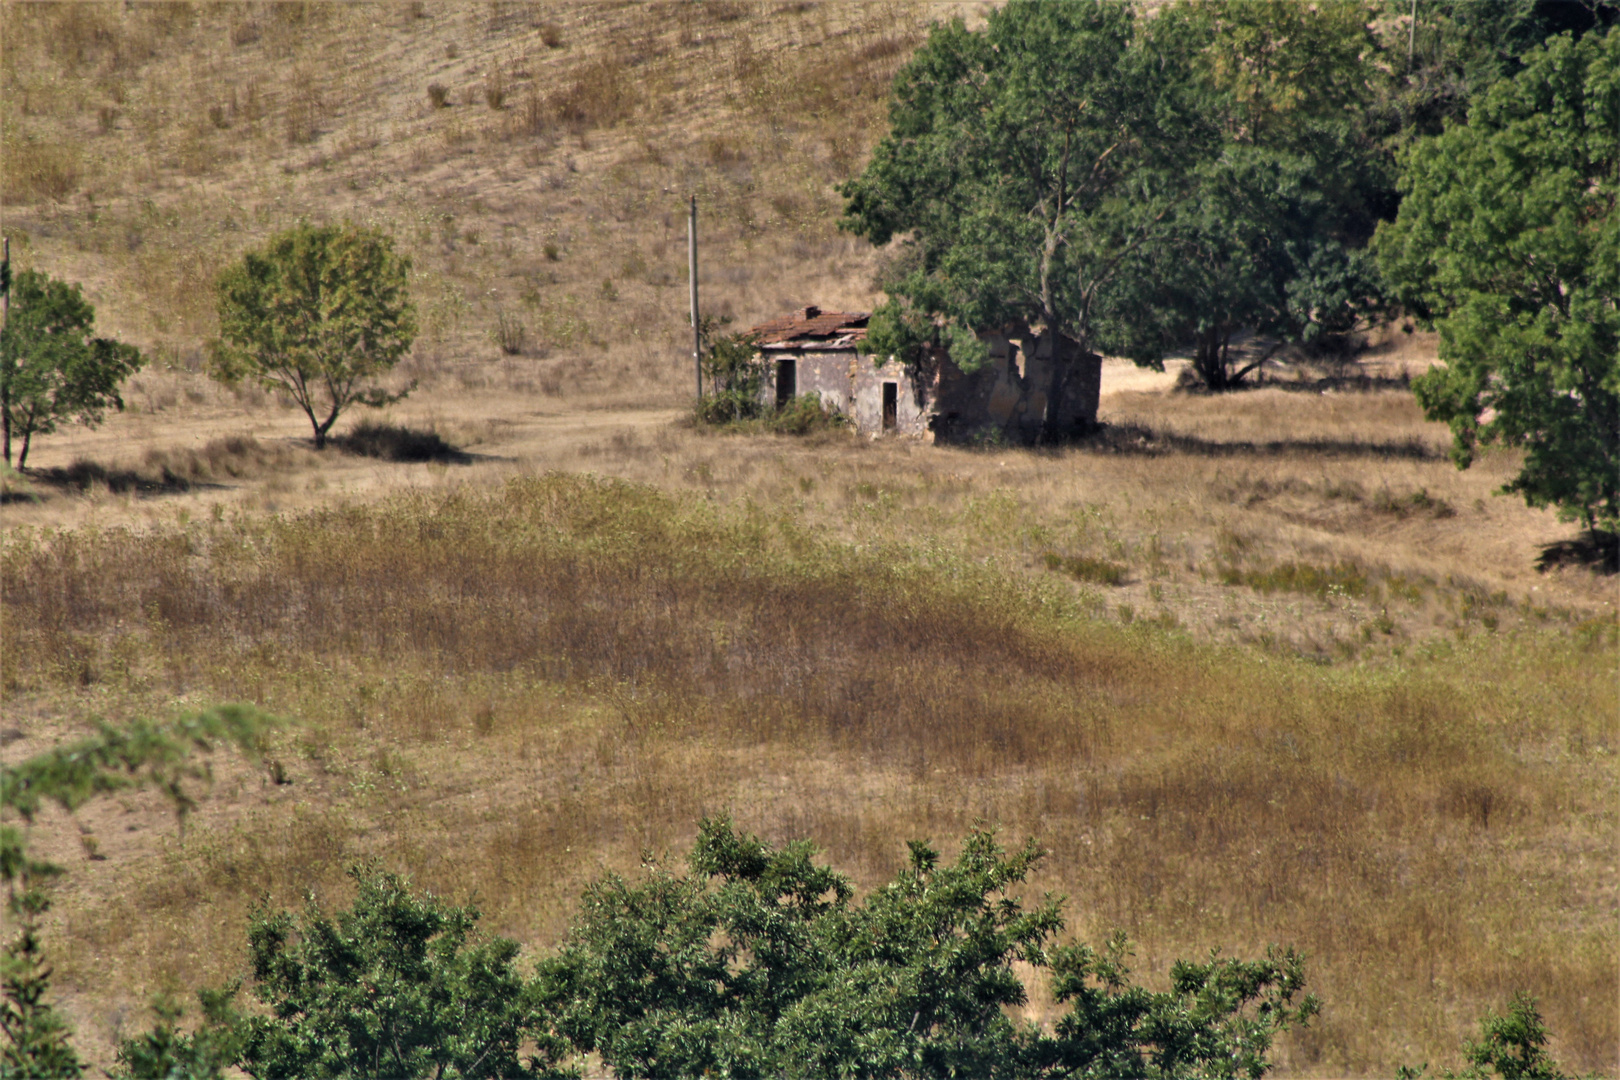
(145, 146)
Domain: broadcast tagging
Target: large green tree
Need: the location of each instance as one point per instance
(1024, 164)
(319, 312)
(1508, 241)
(52, 366)
(1270, 239)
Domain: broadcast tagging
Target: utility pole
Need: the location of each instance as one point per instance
(691, 273)
(1411, 38)
(5, 321)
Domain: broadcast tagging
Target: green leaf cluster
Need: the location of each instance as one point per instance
(52, 367)
(318, 312)
(392, 987)
(166, 1052)
(1512, 1046)
(1508, 242)
(735, 373)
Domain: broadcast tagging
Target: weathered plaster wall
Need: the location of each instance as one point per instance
(1033, 388)
(823, 372)
(914, 395)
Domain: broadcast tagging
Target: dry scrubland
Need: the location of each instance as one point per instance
(1255, 668)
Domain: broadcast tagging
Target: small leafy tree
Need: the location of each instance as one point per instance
(52, 367)
(1512, 1046)
(393, 987)
(319, 312)
(114, 758)
(1508, 241)
(735, 373)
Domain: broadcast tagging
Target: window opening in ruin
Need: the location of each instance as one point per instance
(891, 405)
(787, 381)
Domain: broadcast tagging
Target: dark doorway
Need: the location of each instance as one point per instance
(787, 381)
(891, 405)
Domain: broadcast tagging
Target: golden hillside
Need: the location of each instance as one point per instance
(147, 145)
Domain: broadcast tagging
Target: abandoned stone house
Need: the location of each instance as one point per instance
(1037, 387)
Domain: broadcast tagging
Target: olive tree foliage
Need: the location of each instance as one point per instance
(52, 366)
(1024, 164)
(319, 312)
(36, 1037)
(758, 962)
(1508, 242)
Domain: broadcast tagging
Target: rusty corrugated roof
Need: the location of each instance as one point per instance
(812, 324)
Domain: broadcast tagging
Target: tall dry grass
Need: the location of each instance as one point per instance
(506, 691)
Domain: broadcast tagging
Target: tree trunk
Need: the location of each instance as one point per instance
(5, 419)
(322, 428)
(1207, 360)
(22, 458)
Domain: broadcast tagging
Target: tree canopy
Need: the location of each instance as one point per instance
(52, 366)
(1024, 164)
(318, 312)
(1508, 241)
(1135, 184)
(1269, 236)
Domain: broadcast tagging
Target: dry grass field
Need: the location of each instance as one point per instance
(1260, 667)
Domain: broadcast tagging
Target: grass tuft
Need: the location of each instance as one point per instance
(1340, 579)
(1082, 568)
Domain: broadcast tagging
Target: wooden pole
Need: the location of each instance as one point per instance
(1411, 38)
(691, 273)
(5, 320)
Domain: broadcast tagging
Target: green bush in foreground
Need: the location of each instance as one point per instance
(1512, 1046)
(758, 962)
(392, 987)
(755, 962)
